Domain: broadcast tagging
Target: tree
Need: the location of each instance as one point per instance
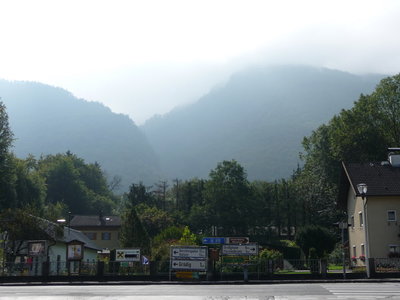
(188, 238)
(6, 135)
(7, 175)
(82, 187)
(228, 198)
(138, 193)
(317, 237)
(360, 134)
(133, 233)
(153, 219)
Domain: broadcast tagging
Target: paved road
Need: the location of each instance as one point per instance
(206, 292)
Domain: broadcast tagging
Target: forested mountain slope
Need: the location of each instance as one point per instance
(49, 120)
(258, 118)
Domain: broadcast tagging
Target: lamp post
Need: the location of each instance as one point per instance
(362, 189)
(343, 225)
(62, 220)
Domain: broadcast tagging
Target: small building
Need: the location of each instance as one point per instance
(370, 193)
(102, 230)
(63, 250)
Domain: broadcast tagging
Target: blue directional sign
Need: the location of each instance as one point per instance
(214, 240)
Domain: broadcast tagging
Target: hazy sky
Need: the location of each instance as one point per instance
(146, 57)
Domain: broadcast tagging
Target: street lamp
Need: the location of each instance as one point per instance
(63, 220)
(362, 189)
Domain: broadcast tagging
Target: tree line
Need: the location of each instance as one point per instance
(224, 204)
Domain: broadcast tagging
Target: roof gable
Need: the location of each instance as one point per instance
(381, 178)
(95, 220)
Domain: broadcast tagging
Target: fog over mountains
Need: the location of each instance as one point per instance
(49, 120)
(259, 118)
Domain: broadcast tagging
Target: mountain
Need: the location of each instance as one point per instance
(259, 118)
(49, 120)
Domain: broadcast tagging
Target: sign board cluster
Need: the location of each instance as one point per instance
(226, 240)
(189, 258)
(234, 250)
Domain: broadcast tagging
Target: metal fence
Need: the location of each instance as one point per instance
(217, 270)
(387, 265)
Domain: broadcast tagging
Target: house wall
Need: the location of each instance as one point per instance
(111, 244)
(356, 230)
(61, 249)
(383, 234)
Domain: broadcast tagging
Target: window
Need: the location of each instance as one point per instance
(391, 215)
(106, 236)
(362, 249)
(91, 235)
(360, 216)
(393, 248)
(354, 251)
(352, 221)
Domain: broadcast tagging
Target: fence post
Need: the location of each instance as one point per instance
(323, 266)
(45, 268)
(371, 266)
(100, 269)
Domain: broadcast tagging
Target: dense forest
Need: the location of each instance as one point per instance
(226, 202)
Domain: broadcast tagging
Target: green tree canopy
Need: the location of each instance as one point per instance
(228, 198)
(7, 175)
(317, 237)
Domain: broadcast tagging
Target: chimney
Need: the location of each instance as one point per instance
(394, 157)
(101, 219)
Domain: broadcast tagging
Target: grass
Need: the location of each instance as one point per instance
(332, 267)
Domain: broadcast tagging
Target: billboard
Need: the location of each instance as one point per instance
(36, 248)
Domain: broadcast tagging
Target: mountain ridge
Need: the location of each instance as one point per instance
(234, 121)
(49, 120)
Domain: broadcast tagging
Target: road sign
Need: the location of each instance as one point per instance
(235, 259)
(194, 265)
(214, 240)
(250, 249)
(237, 240)
(127, 255)
(189, 252)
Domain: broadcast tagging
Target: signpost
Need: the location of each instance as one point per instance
(237, 240)
(188, 258)
(214, 240)
(189, 252)
(237, 260)
(126, 255)
(238, 250)
(193, 265)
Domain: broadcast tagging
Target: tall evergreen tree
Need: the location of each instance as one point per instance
(7, 174)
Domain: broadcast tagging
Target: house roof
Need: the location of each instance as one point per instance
(381, 178)
(71, 234)
(95, 221)
(66, 235)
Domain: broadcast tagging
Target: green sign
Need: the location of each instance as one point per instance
(235, 259)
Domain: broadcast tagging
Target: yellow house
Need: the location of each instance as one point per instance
(102, 230)
(370, 193)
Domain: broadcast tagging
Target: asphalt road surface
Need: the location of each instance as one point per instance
(205, 292)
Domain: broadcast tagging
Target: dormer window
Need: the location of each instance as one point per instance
(391, 216)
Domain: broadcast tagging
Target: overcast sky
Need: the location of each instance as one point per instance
(145, 57)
